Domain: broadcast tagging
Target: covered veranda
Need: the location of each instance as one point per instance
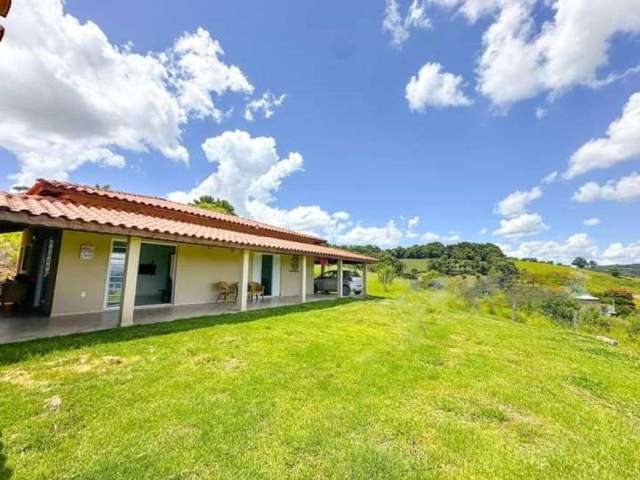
(20, 327)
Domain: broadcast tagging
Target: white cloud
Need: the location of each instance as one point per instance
(592, 222)
(434, 88)
(399, 28)
(248, 169)
(552, 177)
(523, 225)
(515, 204)
(625, 189)
(521, 59)
(71, 97)
(619, 253)
(578, 244)
(483, 231)
(267, 103)
(249, 172)
(412, 224)
(621, 143)
(387, 236)
(541, 113)
(435, 237)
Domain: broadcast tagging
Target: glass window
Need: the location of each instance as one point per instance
(115, 279)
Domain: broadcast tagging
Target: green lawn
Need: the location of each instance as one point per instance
(420, 264)
(407, 386)
(559, 276)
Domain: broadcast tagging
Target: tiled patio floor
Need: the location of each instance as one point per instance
(19, 328)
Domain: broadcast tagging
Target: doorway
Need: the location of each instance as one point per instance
(267, 274)
(266, 270)
(155, 275)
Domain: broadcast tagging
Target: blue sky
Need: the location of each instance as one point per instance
(355, 160)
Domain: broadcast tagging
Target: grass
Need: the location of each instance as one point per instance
(556, 276)
(419, 264)
(408, 385)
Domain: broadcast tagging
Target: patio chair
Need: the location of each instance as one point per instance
(255, 290)
(225, 292)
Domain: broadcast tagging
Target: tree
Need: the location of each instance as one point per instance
(592, 264)
(615, 271)
(386, 274)
(622, 300)
(216, 204)
(580, 262)
(9, 252)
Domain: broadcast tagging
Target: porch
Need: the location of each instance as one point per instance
(22, 327)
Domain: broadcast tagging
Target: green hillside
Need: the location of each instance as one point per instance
(420, 264)
(557, 276)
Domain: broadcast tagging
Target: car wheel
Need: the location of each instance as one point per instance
(346, 290)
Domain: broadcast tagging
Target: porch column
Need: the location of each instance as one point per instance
(128, 299)
(340, 278)
(364, 279)
(303, 281)
(243, 287)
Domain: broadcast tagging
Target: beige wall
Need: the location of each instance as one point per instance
(80, 284)
(198, 268)
(291, 280)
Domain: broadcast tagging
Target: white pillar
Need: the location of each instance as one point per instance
(243, 287)
(303, 280)
(364, 279)
(128, 298)
(340, 278)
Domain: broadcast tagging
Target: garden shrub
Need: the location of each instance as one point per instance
(591, 318)
(621, 298)
(559, 307)
(633, 330)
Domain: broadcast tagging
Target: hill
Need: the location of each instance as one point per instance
(632, 270)
(558, 276)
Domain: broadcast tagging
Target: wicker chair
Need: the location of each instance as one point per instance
(12, 292)
(226, 292)
(255, 290)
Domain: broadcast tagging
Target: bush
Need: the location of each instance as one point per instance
(591, 318)
(386, 274)
(622, 299)
(559, 307)
(634, 327)
(427, 279)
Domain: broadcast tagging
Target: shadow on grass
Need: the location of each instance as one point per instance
(5, 472)
(16, 352)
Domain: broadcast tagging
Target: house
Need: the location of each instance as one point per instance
(87, 251)
(587, 300)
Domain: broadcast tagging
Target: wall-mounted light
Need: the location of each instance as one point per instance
(5, 6)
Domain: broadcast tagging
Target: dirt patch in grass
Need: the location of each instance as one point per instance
(22, 378)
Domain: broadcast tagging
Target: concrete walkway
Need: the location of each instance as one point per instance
(21, 327)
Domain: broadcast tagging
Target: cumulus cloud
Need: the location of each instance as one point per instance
(249, 172)
(266, 104)
(578, 244)
(412, 224)
(620, 253)
(388, 236)
(592, 222)
(521, 59)
(621, 143)
(625, 189)
(523, 225)
(71, 97)
(248, 169)
(400, 28)
(515, 203)
(433, 87)
(435, 237)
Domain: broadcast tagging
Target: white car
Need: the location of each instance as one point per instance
(351, 283)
